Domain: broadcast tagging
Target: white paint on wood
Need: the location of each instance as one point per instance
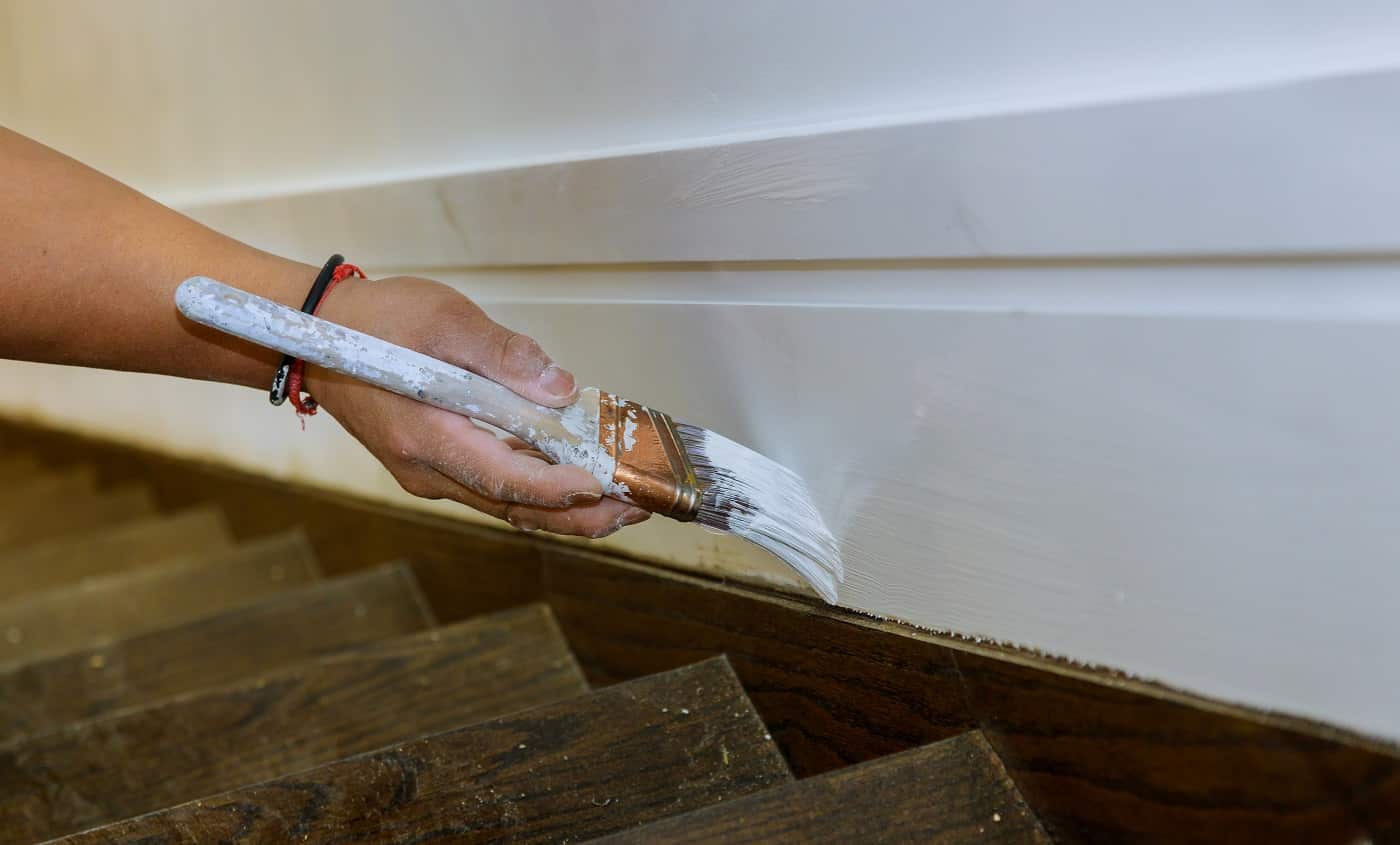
(1182, 469)
(1203, 498)
(1212, 173)
(198, 99)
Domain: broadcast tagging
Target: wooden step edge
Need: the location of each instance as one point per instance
(56, 484)
(612, 759)
(349, 611)
(39, 520)
(953, 792)
(538, 615)
(305, 715)
(404, 571)
(143, 542)
(116, 606)
(292, 541)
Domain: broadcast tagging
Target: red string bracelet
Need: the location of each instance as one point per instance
(307, 407)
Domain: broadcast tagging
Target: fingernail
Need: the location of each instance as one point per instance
(525, 525)
(583, 497)
(631, 516)
(557, 381)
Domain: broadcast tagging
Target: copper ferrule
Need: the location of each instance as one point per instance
(651, 460)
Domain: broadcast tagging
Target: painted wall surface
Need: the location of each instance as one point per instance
(1081, 319)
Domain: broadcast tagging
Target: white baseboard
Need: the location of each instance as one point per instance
(1305, 167)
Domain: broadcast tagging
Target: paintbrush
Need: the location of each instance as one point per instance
(640, 455)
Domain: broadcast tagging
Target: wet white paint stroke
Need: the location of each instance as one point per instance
(773, 172)
(1112, 488)
(1061, 182)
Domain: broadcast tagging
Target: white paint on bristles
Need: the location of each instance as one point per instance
(764, 502)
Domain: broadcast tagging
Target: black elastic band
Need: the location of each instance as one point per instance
(278, 394)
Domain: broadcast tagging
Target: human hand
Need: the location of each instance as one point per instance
(437, 454)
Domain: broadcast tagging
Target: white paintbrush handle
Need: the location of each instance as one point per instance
(566, 435)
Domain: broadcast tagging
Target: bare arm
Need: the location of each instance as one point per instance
(88, 270)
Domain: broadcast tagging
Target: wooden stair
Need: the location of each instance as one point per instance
(57, 511)
(52, 489)
(249, 641)
(162, 682)
(950, 792)
(143, 542)
(100, 610)
(202, 744)
(15, 468)
(621, 756)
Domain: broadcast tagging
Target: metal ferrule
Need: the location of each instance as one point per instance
(651, 460)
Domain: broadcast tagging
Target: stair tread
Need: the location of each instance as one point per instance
(17, 466)
(316, 619)
(111, 607)
(52, 486)
(303, 716)
(948, 793)
(592, 765)
(34, 520)
(66, 560)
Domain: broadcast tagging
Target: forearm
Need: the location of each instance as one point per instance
(88, 270)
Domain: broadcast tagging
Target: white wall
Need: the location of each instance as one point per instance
(1079, 317)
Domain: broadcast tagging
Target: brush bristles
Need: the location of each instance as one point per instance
(764, 502)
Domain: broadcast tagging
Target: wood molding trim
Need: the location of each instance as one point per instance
(1019, 183)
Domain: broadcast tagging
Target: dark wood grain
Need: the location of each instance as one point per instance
(66, 560)
(954, 792)
(593, 765)
(34, 520)
(317, 619)
(313, 713)
(124, 604)
(347, 533)
(1100, 764)
(868, 693)
(833, 693)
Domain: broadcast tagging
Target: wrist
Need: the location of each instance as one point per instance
(304, 382)
(220, 357)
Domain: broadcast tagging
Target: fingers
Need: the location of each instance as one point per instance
(595, 520)
(490, 349)
(494, 469)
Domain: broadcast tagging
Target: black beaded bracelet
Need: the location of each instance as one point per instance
(278, 394)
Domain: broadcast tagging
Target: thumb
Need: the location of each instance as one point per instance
(518, 362)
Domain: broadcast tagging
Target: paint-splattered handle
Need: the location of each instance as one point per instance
(567, 435)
